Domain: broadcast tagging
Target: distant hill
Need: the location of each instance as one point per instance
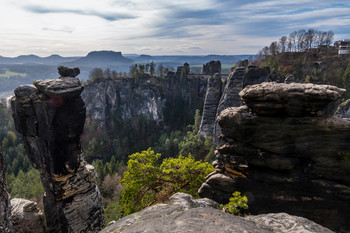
(34, 59)
(175, 60)
(101, 59)
(25, 69)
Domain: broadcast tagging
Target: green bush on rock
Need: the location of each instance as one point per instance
(148, 180)
(236, 204)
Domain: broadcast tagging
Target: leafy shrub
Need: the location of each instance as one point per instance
(236, 204)
(148, 180)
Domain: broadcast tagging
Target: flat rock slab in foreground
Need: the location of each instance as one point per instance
(183, 214)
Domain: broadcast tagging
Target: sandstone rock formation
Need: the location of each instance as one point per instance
(182, 213)
(230, 96)
(282, 222)
(276, 99)
(255, 75)
(211, 103)
(344, 109)
(148, 98)
(211, 68)
(5, 206)
(51, 116)
(26, 216)
(289, 160)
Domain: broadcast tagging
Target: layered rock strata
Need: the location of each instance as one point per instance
(211, 103)
(230, 96)
(182, 213)
(50, 115)
(26, 216)
(284, 156)
(5, 206)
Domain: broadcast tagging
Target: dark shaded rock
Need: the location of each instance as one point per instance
(295, 99)
(51, 121)
(294, 164)
(185, 67)
(255, 76)
(211, 68)
(68, 71)
(243, 63)
(65, 88)
(24, 91)
(26, 216)
(182, 213)
(343, 110)
(5, 206)
(211, 103)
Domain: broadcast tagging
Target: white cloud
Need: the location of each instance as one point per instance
(75, 27)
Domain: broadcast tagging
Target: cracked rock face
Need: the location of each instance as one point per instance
(288, 160)
(51, 117)
(5, 206)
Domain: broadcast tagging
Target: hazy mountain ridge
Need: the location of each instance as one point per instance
(25, 69)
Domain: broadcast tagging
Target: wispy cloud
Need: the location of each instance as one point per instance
(163, 26)
(110, 16)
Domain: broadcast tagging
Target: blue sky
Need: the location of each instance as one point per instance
(160, 27)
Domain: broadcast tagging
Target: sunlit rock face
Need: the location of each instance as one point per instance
(212, 98)
(183, 213)
(26, 216)
(285, 154)
(50, 115)
(343, 110)
(5, 206)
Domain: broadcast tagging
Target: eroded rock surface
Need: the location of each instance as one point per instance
(211, 68)
(26, 216)
(230, 96)
(344, 109)
(5, 205)
(295, 99)
(51, 117)
(182, 213)
(293, 162)
(211, 103)
(282, 222)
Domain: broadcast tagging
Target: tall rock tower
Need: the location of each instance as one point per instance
(51, 115)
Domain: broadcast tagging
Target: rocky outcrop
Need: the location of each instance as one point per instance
(279, 99)
(51, 116)
(344, 109)
(182, 213)
(211, 68)
(26, 216)
(211, 103)
(282, 222)
(5, 206)
(255, 75)
(285, 160)
(230, 96)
